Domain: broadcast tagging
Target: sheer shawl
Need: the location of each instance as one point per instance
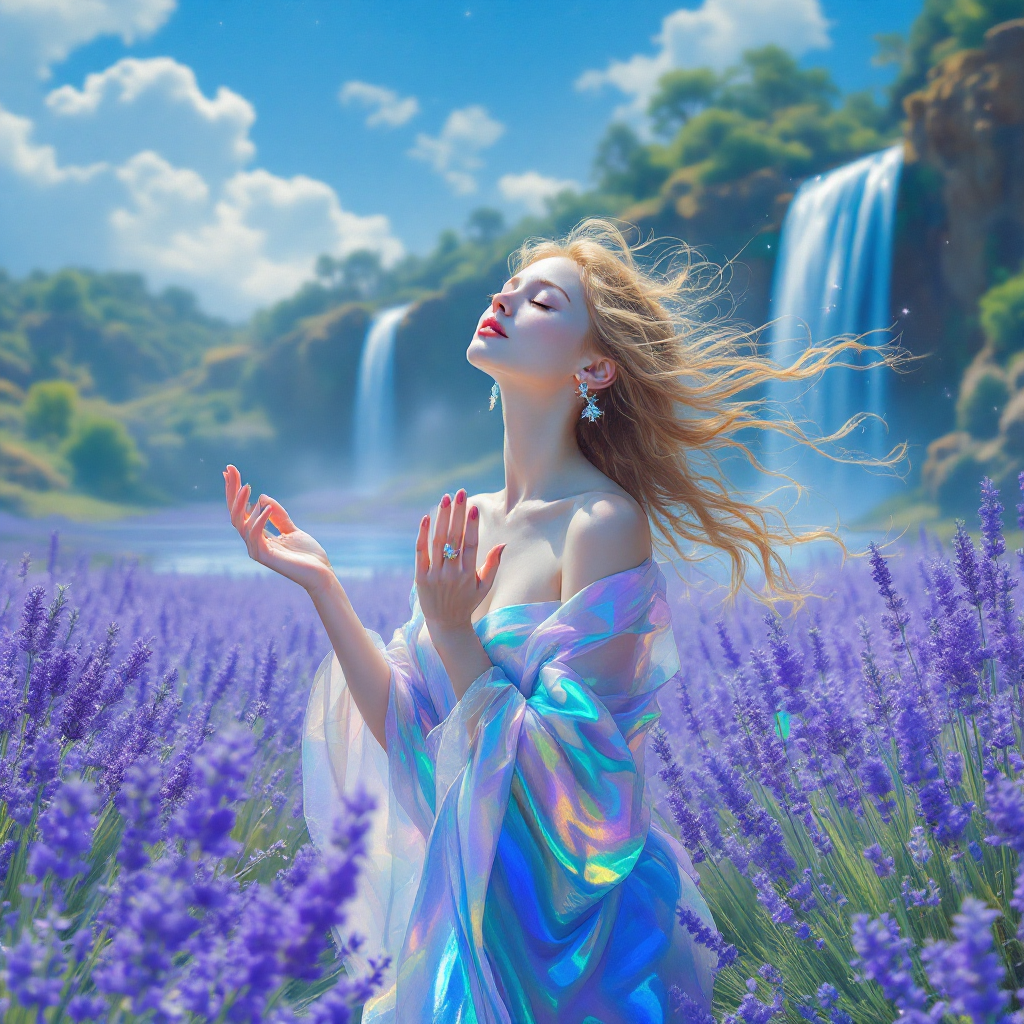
(563, 716)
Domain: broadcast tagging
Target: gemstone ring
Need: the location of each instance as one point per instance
(449, 552)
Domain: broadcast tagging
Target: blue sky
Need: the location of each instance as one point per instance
(223, 144)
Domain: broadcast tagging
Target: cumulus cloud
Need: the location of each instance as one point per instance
(155, 176)
(713, 35)
(385, 106)
(530, 189)
(455, 152)
(43, 32)
(28, 159)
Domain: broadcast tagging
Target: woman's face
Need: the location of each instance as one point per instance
(536, 326)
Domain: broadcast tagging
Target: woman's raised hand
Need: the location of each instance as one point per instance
(450, 588)
(293, 554)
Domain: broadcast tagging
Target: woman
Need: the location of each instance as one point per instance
(515, 873)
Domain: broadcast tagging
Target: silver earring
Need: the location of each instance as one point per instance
(590, 411)
(495, 395)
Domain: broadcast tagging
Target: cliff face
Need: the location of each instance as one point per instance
(965, 145)
(969, 124)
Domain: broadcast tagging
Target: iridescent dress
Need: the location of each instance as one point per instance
(514, 872)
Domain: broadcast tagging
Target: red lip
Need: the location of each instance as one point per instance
(491, 324)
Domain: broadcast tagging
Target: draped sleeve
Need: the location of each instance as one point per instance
(549, 742)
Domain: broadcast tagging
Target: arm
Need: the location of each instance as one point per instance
(449, 589)
(298, 557)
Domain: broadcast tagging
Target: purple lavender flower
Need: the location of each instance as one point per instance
(896, 617)
(66, 829)
(208, 817)
(34, 965)
(928, 897)
(883, 956)
(967, 564)
(1005, 811)
(712, 940)
(878, 783)
(967, 970)
(883, 865)
(138, 802)
(778, 909)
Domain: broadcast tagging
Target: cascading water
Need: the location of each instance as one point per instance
(832, 278)
(374, 432)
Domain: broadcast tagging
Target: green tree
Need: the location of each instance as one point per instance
(681, 94)
(485, 224)
(769, 80)
(624, 166)
(49, 408)
(104, 458)
(65, 293)
(1002, 316)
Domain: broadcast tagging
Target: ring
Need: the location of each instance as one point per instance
(449, 552)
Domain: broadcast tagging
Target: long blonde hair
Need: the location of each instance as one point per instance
(677, 398)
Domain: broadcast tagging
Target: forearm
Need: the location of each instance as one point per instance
(461, 653)
(367, 672)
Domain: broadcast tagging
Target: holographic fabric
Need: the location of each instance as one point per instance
(514, 873)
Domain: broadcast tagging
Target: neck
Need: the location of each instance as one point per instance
(540, 441)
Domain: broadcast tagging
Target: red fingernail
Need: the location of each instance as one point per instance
(445, 501)
(473, 513)
(460, 497)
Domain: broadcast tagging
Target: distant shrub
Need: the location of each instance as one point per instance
(104, 458)
(984, 393)
(1002, 316)
(49, 407)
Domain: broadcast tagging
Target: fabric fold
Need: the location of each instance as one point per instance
(513, 853)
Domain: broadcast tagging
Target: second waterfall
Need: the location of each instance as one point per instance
(375, 455)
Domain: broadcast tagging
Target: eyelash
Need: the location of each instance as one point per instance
(541, 304)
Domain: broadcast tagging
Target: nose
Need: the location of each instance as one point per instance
(502, 300)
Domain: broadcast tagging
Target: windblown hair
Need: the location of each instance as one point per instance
(689, 384)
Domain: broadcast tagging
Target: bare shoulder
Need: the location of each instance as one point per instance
(608, 533)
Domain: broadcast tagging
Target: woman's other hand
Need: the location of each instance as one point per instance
(293, 554)
(450, 588)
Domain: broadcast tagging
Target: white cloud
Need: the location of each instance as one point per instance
(530, 189)
(455, 153)
(252, 244)
(168, 190)
(713, 35)
(43, 32)
(157, 104)
(37, 163)
(385, 105)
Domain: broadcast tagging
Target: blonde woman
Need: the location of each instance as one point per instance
(515, 872)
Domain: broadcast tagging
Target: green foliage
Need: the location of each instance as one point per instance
(49, 407)
(106, 331)
(681, 93)
(984, 393)
(104, 458)
(1002, 316)
(485, 224)
(624, 166)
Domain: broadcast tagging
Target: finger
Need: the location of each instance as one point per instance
(444, 513)
(471, 540)
(278, 516)
(250, 520)
(422, 553)
(489, 569)
(256, 539)
(240, 507)
(230, 484)
(458, 523)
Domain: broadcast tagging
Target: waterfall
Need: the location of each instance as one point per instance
(833, 272)
(375, 401)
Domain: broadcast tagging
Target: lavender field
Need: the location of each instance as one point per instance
(847, 780)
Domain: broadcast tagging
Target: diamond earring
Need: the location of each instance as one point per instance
(590, 411)
(495, 395)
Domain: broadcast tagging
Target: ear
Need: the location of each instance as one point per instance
(599, 374)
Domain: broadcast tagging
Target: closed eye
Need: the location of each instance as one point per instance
(541, 304)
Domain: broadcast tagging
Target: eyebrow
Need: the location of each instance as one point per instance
(550, 284)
